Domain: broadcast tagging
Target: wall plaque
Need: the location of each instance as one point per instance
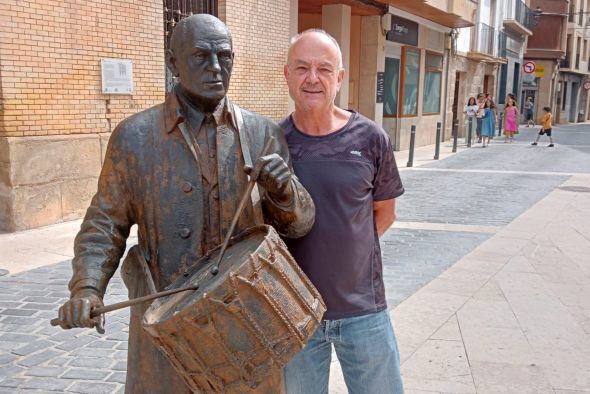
(117, 76)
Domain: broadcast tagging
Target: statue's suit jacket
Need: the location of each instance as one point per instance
(151, 178)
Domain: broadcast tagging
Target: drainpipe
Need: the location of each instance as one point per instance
(448, 52)
(446, 100)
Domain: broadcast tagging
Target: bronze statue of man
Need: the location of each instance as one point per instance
(177, 170)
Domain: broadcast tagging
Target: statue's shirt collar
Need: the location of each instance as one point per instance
(178, 110)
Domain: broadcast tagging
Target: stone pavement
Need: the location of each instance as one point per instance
(485, 272)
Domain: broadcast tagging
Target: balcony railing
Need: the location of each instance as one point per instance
(502, 44)
(484, 39)
(564, 63)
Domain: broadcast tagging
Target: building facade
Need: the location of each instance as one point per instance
(57, 58)
(546, 48)
(572, 99)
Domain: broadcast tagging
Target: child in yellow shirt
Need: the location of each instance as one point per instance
(546, 127)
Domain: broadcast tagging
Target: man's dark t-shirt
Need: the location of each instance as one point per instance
(344, 171)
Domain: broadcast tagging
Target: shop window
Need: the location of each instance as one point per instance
(432, 83)
(411, 77)
(391, 87)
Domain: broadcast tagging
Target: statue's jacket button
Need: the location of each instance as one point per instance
(187, 187)
(184, 232)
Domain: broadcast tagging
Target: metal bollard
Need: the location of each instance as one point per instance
(437, 148)
(412, 142)
(500, 124)
(455, 131)
(470, 131)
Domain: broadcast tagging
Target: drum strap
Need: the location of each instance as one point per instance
(237, 112)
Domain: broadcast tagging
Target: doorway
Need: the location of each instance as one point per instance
(574, 102)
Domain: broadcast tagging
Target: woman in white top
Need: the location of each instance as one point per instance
(470, 113)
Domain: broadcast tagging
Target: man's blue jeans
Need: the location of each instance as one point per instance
(367, 351)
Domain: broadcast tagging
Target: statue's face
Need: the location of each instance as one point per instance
(203, 61)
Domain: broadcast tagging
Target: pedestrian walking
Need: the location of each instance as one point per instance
(470, 113)
(494, 108)
(510, 120)
(528, 111)
(481, 99)
(546, 127)
(346, 162)
(488, 123)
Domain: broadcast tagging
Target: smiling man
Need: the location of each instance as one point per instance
(177, 171)
(346, 163)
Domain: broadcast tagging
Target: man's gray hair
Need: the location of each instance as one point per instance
(296, 38)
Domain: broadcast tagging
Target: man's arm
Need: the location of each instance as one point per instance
(100, 243)
(384, 213)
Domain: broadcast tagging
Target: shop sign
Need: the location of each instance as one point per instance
(380, 86)
(403, 31)
(587, 85)
(540, 71)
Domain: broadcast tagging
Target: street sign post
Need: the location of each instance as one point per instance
(529, 67)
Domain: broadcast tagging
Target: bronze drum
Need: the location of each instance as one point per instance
(242, 324)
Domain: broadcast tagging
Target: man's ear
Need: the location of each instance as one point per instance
(171, 62)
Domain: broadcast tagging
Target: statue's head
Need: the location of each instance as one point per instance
(201, 57)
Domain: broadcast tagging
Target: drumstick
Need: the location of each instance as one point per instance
(124, 304)
(245, 197)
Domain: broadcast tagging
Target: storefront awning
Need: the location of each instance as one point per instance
(358, 7)
(446, 18)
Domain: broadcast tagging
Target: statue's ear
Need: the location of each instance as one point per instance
(171, 62)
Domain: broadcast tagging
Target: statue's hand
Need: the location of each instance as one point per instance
(76, 312)
(274, 175)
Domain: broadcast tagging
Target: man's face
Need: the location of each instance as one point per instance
(203, 62)
(313, 73)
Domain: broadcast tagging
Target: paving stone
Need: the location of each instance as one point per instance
(59, 361)
(18, 320)
(44, 371)
(50, 384)
(12, 382)
(117, 377)
(38, 358)
(9, 304)
(91, 362)
(100, 344)
(7, 358)
(75, 343)
(93, 388)
(93, 353)
(120, 366)
(85, 374)
(9, 371)
(43, 300)
(10, 328)
(38, 306)
(33, 347)
(16, 337)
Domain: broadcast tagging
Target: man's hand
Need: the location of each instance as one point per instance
(76, 312)
(273, 174)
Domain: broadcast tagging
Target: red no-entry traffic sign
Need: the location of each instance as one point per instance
(529, 67)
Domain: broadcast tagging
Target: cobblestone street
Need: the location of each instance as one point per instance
(450, 208)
